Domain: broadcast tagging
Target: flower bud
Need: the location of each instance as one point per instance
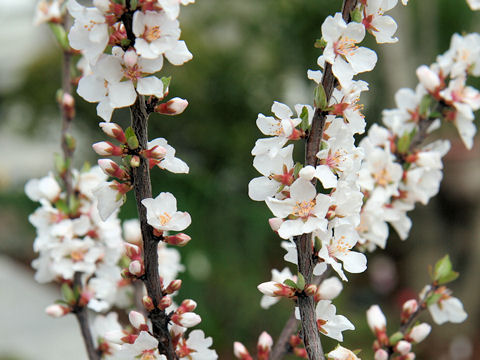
(310, 290)
(295, 340)
(132, 251)
(165, 302)
(381, 354)
(187, 305)
(111, 168)
(175, 285)
(273, 288)
(136, 268)
(106, 148)
(275, 223)
(132, 233)
(307, 173)
(419, 332)
(240, 351)
(130, 58)
(148, 302)
(428, 78)
(135, 161)
(136, 319)
(330, 288)
(264, 346)
(376, 320)
(157, 152)
(179, 239)
(68, 105)
(115, 336)
(114, 131)
(56, 310)
(300, 352)
(410, 356)
(408, 308)
(174, 106)
(403, 347)
(187, 320)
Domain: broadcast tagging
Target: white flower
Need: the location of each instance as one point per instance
(338, 247)
(381, 26)
(47, 10)
(200, 345)
(89, 32)
(109, 199)
(428, 78)
(145, 347)
(169, 162)
(448, 308)
(305, 210)
(462, 56)
(169, 262)
(44, 188)
(376, 319)
(162, 213)
(341, 51)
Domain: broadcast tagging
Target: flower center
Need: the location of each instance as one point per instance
(303, 209)
(344, 47)
(382, 177)
(152, 33)
(90, 25)
(77, 255)
(164, 218)
(132, 73)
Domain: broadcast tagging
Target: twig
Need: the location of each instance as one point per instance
(311, 336)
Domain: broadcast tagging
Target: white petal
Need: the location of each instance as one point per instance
(121, 94)
(150, 86)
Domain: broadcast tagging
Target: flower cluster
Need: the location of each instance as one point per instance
(120, 60)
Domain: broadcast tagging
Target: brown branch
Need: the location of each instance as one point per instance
(311, 335)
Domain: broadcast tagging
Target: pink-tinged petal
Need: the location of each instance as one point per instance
(302, 190)
(121, 94)
(281, 111)
(180, 221)
(260, 188)
(280, 208)
(179, 54)
(326, 176)
(354, 262)
(343, 71)
(91, 88)
(150, 86)
(291, 228)
(363, 59)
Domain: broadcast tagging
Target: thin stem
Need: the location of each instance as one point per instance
(311, 335)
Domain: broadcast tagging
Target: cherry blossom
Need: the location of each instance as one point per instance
(162, 213)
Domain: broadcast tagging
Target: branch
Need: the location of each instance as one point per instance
(311, 335)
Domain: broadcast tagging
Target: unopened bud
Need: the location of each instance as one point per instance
(165, 302)
(156, 153)
(136, 319)
(381, 354)
(175, 285)
(376, 320)
(106, 148)
(403, 347)
(135, 161)
(419, 332)
(410, 356)
(179, 239)
(240, 351)
(174, 106)
(273, 288)
(111, 168)
(310, 290)
(114, 131)
(148, 302)
(115, 336)
(307, 173)
(136, 268)
(68, 105)
(56, 310)
(132, 232)
(130, 58)
(300, 352)
(428, 78)
(187, 305)
(295, 340)
(187, 320)
(264, 346)
(132, 251)
(408, 308)
(275, 223)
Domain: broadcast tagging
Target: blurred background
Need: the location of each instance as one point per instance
(246, 55)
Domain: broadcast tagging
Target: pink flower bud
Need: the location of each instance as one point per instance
(148, 302)
(273, 288)
(175, 285)
(275, 223)
(310, 290)
(307, 173)
(132, 251)
(68, 105)
(130, 58)
(114, 131)
(419, 332)
(187, 305)
(240, 351)
(165, 302)
(187, 320)
(179, 239)
(410, 356)
(381, 354)
(174, 106)
(428, 78)
(106, 148)
(408, 308)
(376, 320)
(56, 310)
(111, 168)
(136, 319)
(403, 347)
(136, 268)
(264, 346)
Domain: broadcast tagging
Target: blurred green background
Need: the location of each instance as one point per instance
(246, 55)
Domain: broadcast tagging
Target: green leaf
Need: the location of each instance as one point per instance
(166, 82)
(59, 163)
(70, 141)
(433, 299)
(125, 42)
(132, 140)
(300, 281)
(403, 144)
(60, 35)
(304, 116)
(290, 283)
(395, 338)
(297, 169)
(453, 275)
(425, 105)
(442, 268)
(68, 294)
(74, 204)
(62, 206)
(320, 43)
(133, 4)
(356, 15)
(318, 244)
(320, 97)
(86, 167)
